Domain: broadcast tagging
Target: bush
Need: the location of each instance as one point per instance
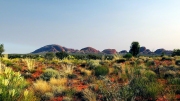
(169, 74)
(101, 70)
(12, 85)
(50, 73)
(128, 56)
(120, 60)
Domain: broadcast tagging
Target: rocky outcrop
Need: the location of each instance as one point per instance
(142, 49)
(53, 48)
(109, 51)
(89, 50)
(123, 52)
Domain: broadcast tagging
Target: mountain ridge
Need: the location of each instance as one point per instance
(59, 48)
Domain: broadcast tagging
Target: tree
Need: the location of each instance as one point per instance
(1, 50)
(61, 55)
(176, 52)
(134, 49)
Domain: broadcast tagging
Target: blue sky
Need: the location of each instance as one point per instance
(26, 25)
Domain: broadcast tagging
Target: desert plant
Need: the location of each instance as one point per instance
(11, 85)
(41, 87)
(127, 56)
(89, 95)
(50, 73)
(30, 63)
(101, 70)
(68, 68)
(169, 74)
(92, 64)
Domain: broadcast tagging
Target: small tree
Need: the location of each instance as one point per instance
(49, 56)
(176, 52)
(61, 55)
(1, 49)
(134, 49)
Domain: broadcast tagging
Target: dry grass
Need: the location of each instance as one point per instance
(58, 82)
(89, 95)
(42, 86)
(88, 72)
(111, 70)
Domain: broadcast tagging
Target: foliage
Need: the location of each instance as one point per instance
(1, 49)
(50, 73)
(127, 56)
(176, 52)
(134, 49)
(11, 85)
(61, 55)
(101, 70)
(49, 56)
(30, 63)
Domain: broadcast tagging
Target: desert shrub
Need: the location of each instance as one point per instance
(174, 81)
(150, 75)
(92, 64)
(68, 68)
(58, 82)
(41, 87)
(169, 74)
(150, 63)
(30, 63)
(122, 60)
(89, 95)
(49, 56)
(49, 73)
(176, 52)
(72, 76)
(101, 70)
(47, 96)
(67, 98)
(12, 85)
(70, 92)
(167, 58)
(128, 56)
(143, 87)
(61, 55)
(58, 90)
(177, 62)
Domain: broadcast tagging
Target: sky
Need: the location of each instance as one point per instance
(26, 25)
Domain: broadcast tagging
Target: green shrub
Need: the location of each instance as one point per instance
(12, 85)
(150, 63)
(50, 73)
(101, 70)
(128, 56)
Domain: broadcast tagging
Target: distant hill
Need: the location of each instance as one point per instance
(90, 50)
(59, 48)
(54, 48)
(109, 51)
